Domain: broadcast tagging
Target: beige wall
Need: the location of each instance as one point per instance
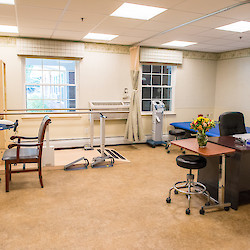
(233, 87)
(103, 76)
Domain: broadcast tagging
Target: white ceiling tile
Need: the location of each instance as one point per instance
(72, 26)
(121, 31)
(112, 21)
(7, 10)
(30, 13)
(203, 6)
(8, 21)
(240, 13)
(34, 32)
(67, 35)
(94, 6)
(215, 33)
(219, 48)
(54, 4)
(155, 26)
(175, 17)
(37, 23)
(128, 40)
(75, 16)
(245, 37)
(213, 22)
(218, 42)
(137, 33)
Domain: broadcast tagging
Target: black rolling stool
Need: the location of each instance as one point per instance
(190, 162)
(177, 133)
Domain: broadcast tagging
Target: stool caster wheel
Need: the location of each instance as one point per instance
(167, 146)
(168, 151)
(202, 211)
(183, 152)
(226, 208)
(176, 192)
(188, 211)
(168, 200)
(207, 204)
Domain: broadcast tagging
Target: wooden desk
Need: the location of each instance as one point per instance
(211, 150)
(237, 172)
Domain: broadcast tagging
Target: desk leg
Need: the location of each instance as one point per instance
(221, 187)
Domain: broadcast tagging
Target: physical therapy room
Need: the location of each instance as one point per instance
(125, 124)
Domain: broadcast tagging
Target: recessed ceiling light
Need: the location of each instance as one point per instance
(137, 11)
(8, 29)
(240, 26)
(12, 2)
(179, 43)
(99, 36)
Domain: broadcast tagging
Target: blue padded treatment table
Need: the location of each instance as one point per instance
(214, 132)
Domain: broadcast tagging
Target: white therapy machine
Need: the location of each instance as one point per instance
(157, 123)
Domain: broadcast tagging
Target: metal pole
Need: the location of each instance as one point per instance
(102, 134)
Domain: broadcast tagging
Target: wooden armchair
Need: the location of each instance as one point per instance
(25, 153)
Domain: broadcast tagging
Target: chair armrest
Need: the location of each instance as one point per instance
(23, 145)
(22, 137)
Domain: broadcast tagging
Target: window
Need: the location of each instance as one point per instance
(50, 83)
(157, 84)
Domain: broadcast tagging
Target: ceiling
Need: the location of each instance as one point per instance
(62, 19)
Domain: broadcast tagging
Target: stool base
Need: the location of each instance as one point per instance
(192, 188)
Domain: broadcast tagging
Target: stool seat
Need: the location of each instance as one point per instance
(177, 132)
(191, 161)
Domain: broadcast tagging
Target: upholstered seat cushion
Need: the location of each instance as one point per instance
(25, 153)
(191, 161)
(177, 132)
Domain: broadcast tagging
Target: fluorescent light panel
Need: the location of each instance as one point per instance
(137, 11)
(8, 29)
(240, 26)
(11, 2)
(99, 36)
(178, 43)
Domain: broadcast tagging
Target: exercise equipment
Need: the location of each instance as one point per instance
(101, 161)
(74, 166)
(157, 124)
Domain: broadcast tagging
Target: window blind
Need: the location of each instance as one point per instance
(153, 55)
(49, 48)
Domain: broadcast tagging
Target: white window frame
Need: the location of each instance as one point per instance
(77, 77)
(173, 84)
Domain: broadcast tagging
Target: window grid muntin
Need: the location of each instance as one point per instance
(62, 77)
(169, 71)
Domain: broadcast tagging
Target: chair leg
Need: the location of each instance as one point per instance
(40, 173)
(7, 176)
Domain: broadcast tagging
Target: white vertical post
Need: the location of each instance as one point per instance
(102, 134)
(91, 131)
